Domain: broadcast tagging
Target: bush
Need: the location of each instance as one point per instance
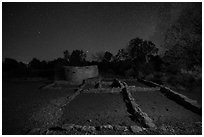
(173, 80)
(130, 73)
(141, 75)
(156, 77)
(173, 69)
(187, 80)
(149, 77)
(147, 68)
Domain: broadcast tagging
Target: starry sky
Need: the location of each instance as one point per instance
(45, 30)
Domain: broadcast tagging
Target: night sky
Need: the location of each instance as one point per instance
(45, 30)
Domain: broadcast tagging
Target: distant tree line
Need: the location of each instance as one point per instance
(139, 59)
(37, 68)
(138, 53)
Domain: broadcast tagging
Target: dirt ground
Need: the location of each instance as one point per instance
(27, 105)
(162, 109)
(165, 111)
(195, 93)
(97, 109)
(20, 99)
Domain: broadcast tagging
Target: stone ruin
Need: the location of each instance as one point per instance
(73, 75)
(76, 75)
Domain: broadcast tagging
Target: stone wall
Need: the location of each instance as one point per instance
(177, 97)
(76, 75)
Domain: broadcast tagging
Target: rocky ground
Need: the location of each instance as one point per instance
(45, 108)
(153, 104)
(21, 99)
(97, 109)
(167, 114)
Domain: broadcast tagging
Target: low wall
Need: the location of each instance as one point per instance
(76, 75)
(136, 111)
(177, 97)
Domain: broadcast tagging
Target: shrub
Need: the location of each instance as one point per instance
(156, 77)
(173, 80)
(187, 80)
(149, 77)
(173, 69)
(147, 68)
(130, 73)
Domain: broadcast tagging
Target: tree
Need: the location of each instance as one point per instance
(13, 68)
(98, 56)
(102, 56)
(10, 64)
(66, 55)
(107, 56)
(35, 64)
(121, 55)
(139, 50)
(156, 62)
(183, 40)
(78, 57)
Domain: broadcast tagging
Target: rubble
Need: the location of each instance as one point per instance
(136, 129)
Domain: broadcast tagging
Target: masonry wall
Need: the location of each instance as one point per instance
(76, 75)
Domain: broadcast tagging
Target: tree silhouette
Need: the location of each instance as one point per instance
(66, 55)
(183, 39)
(139, 50)
(121, 55)
(107, 56)
(13, 68)
(98, 56)
(34, 64)
(10, 64)
(78, 57)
